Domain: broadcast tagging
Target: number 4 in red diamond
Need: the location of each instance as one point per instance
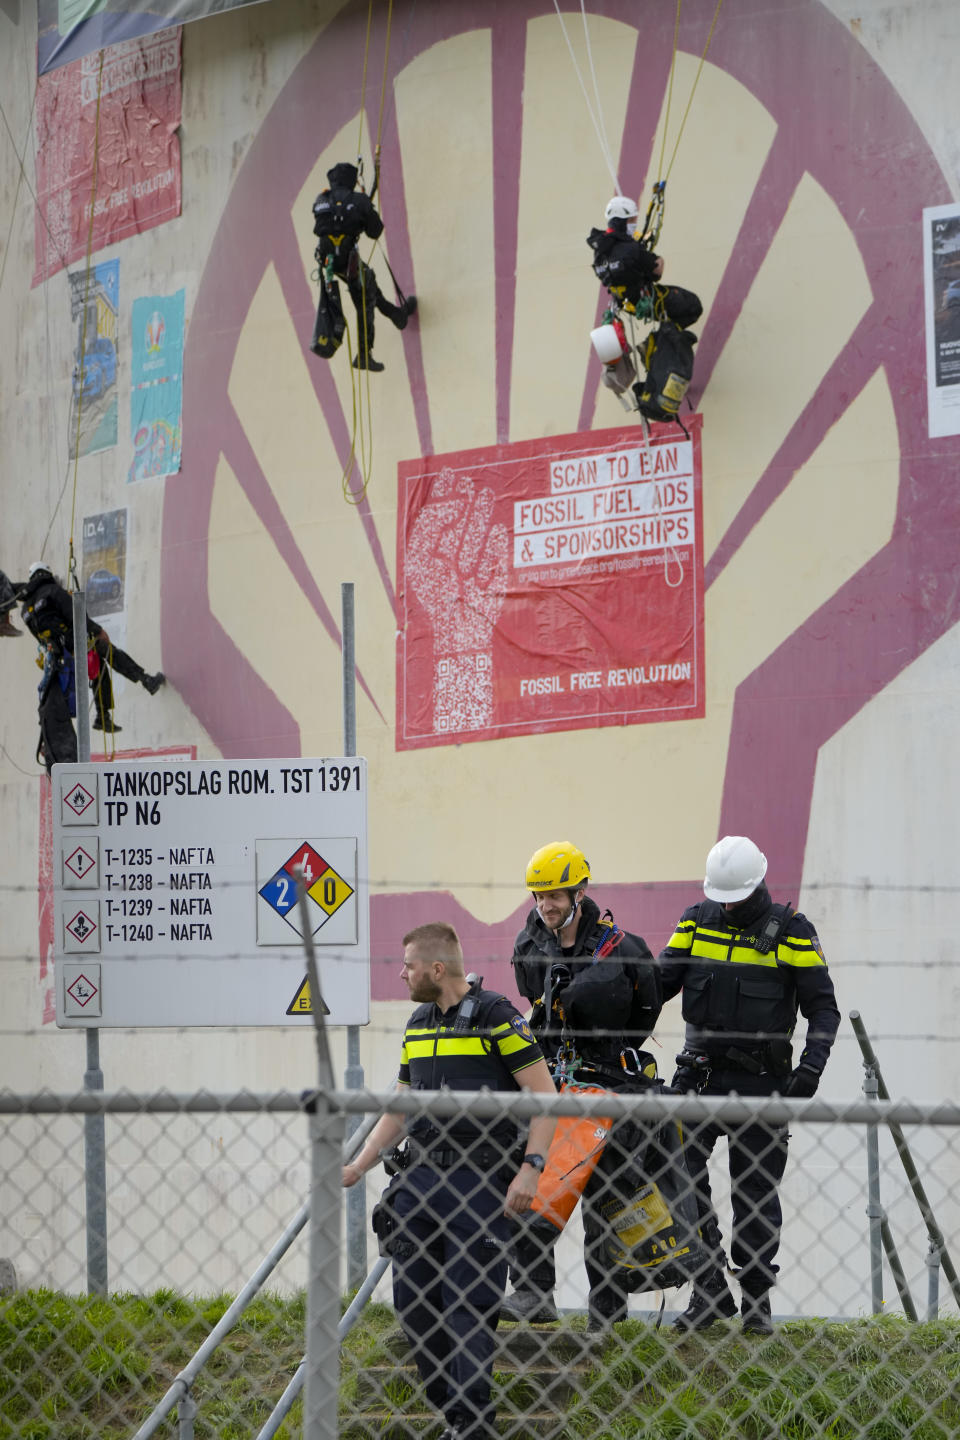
(307, 859)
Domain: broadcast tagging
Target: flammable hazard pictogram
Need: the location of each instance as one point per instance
(328, 890)
(302, 1003)
(79, 799)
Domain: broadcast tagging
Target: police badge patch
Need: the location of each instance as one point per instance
(522, 1028)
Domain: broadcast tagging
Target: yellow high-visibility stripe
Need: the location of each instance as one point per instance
(446, 1045)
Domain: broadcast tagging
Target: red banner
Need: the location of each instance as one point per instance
(132, 148)
(551, 585)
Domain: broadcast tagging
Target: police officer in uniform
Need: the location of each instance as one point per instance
(596, 994)
(745, 967)
(464, 1176)
(341, 214)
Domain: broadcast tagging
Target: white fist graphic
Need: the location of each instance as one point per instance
(457, 565)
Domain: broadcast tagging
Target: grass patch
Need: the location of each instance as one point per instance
(78, 1368)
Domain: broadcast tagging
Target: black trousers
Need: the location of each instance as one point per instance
(367, 297)
(757, 1158)
(449, 1275)
(58, 739)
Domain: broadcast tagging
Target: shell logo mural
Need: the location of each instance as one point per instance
(793, 211)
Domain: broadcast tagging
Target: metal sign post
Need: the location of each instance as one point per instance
(94, 1126)
(353, 1075)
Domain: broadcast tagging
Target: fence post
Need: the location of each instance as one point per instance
(322, 1377)
(874, 1207)
(186, 1414)
(933, 1279)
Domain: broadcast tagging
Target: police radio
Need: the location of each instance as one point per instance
(469, 1005)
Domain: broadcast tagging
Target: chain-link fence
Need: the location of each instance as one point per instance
(224, 1312)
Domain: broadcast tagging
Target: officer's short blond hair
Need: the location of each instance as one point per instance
(438, 941)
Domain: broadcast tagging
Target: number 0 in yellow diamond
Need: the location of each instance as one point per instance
(330, 891)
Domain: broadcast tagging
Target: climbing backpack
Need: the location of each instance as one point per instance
(667, 357)
(330, 323)
(653, 1241)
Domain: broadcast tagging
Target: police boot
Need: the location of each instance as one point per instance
(7, 626)
(105, 721)
(529, 1305)
(367, 362)
(755, 1310)
(152, 683)
(711, 1300)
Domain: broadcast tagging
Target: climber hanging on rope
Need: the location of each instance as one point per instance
(632, 273)
(341, 214)
(47, 612)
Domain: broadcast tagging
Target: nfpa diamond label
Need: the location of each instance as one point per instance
(329, 870)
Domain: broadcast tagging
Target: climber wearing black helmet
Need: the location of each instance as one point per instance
(341, 214)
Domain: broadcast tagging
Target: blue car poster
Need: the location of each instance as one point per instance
(104, 567)
(94, 310)
(156, 385)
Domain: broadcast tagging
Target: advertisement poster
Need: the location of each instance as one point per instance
(554, 584)
(941, 280)
(68, 29)
(122, 168)
(94, 309)
(156, 385)
(104, 568)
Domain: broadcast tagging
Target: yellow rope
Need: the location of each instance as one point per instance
(693, 88)
(362, 420)
(673, 66)
(363, 81)
(83, 327)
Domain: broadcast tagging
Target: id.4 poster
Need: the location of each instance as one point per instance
(550, 585)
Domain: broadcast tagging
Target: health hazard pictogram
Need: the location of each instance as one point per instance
(327, 890)
(82, 927)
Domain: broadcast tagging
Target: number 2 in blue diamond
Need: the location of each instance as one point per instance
(281, 893)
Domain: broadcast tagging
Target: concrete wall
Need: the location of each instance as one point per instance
(817, 135)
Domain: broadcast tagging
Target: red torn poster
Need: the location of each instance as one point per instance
(132, 151)
(554, 584)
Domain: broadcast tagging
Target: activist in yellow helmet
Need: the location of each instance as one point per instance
(560, 866)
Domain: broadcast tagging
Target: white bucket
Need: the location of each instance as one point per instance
(606, 342)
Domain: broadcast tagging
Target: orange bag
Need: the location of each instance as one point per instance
(576, 1147)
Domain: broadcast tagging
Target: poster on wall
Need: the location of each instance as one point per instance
(107, 150)
(69, 29)
(94, 304)
(104, 570)
(553, 584)
(156, 385)
(941, 283)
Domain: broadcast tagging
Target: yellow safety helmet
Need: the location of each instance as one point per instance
(560, 866)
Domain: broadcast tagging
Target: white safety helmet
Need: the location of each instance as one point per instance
(735, 867)
(37, 565)
(621, 207)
